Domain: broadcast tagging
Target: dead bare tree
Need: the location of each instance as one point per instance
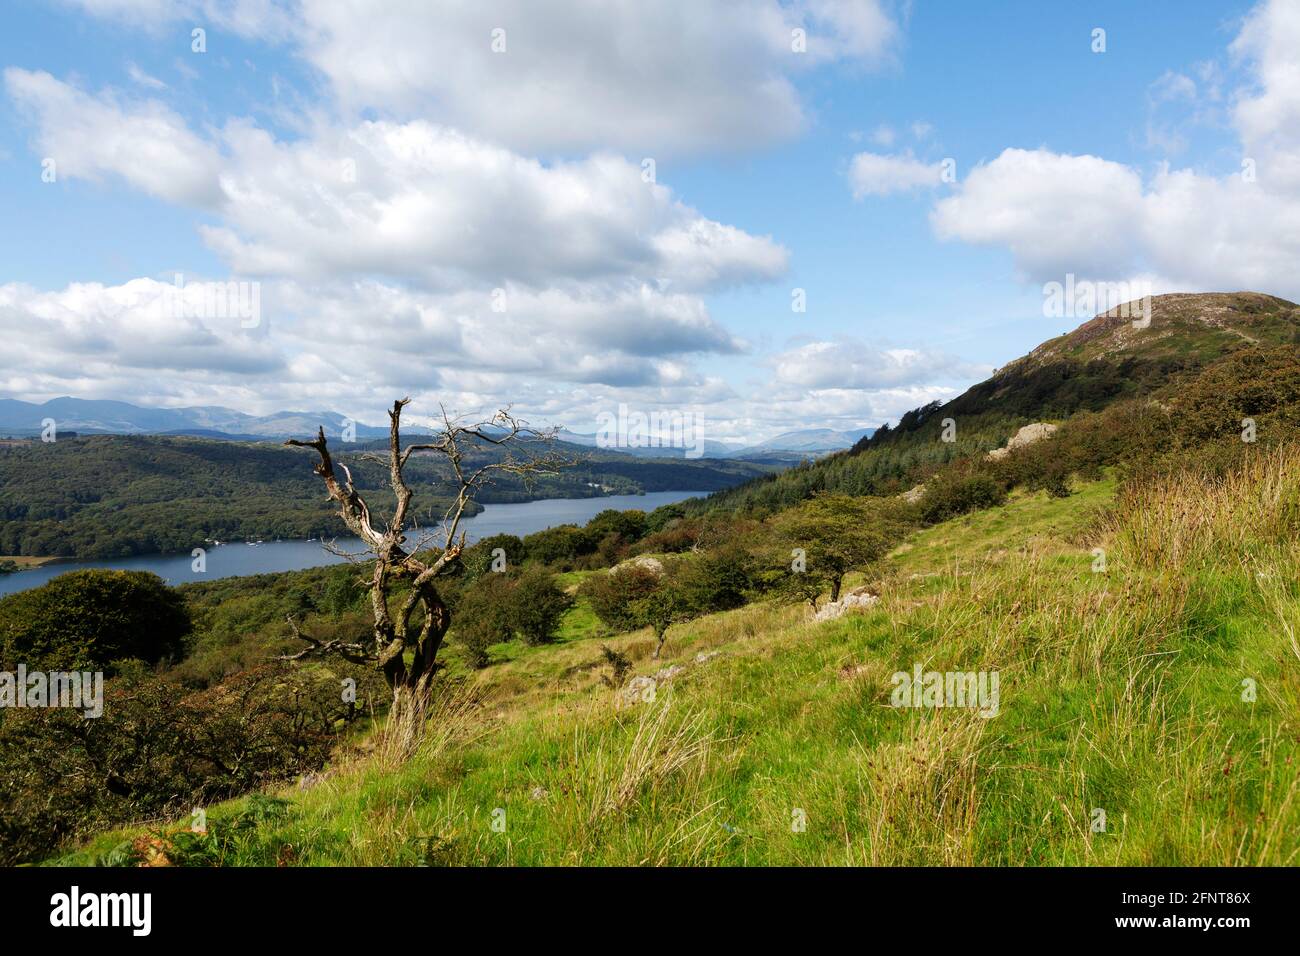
(408, 628)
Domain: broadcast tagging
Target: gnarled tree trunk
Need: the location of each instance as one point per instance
(404, 644)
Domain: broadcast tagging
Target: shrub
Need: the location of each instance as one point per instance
(561, 545)
(658, 519)
(821, 540)
(714, 581)
(619, 665)
(478, 558)
(948, 495)
(613, 593)
(157, 750)
(680, 534)
(480, 619)
(343, 592)
(630, 525)
(535, 604)
(611, 549)
(88, 619)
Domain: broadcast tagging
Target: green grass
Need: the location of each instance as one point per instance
(1120, 691)
(1028, 520)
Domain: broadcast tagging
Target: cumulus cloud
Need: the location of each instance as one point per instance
(675, 76)
(481, 229)
(876, 174)
(1267, 114)
(351, 338)
(429, 202)
(249, 18)
(849, 363)
(1100, 219)
(1055, 212)
(87, 136)
(349, 346)
(657, 79)
(89, 339)
(144, 79)
(409, 200)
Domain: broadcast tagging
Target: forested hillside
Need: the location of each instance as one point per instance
(117, 495)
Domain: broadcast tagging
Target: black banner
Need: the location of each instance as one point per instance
(354, 905)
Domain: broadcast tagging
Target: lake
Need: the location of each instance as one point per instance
(238, 558)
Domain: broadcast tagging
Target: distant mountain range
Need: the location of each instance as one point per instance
(96, 417)
(20, 419)
(786, 448)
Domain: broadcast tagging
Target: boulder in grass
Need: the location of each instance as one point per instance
(636, 691)
(914, 495)
(654, 565)
(859, 599)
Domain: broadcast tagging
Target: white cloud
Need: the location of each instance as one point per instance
(91, 337)
(650, 78)
(1267, 115)
(141, 78)
(354, 339)
(433, 204)
(664, 78)
(874, 174)
(382, 229)
(884, 135)
(1099, 219)
(352, 346)
(849, 363)
(1056, 213)
(146, 144)
(407, 200)
(249, 18)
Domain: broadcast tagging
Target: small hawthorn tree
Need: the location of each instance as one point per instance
(663, 607)
(634, 596)
(822, 539)
(89, 619)
(612, 594)
(481, 608)
(409, 624)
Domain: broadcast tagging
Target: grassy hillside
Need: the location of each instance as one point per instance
(1121, 691)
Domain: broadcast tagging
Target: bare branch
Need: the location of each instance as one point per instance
(356, 653)
(405, 647)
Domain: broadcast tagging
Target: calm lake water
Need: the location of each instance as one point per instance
(238, 558)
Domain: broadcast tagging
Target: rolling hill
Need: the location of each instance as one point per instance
(1107, 362)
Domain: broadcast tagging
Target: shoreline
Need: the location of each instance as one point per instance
(31, 562)
(26, 561)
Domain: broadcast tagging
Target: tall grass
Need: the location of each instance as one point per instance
(1187, 518)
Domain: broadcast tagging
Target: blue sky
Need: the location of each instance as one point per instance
(475, 170)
